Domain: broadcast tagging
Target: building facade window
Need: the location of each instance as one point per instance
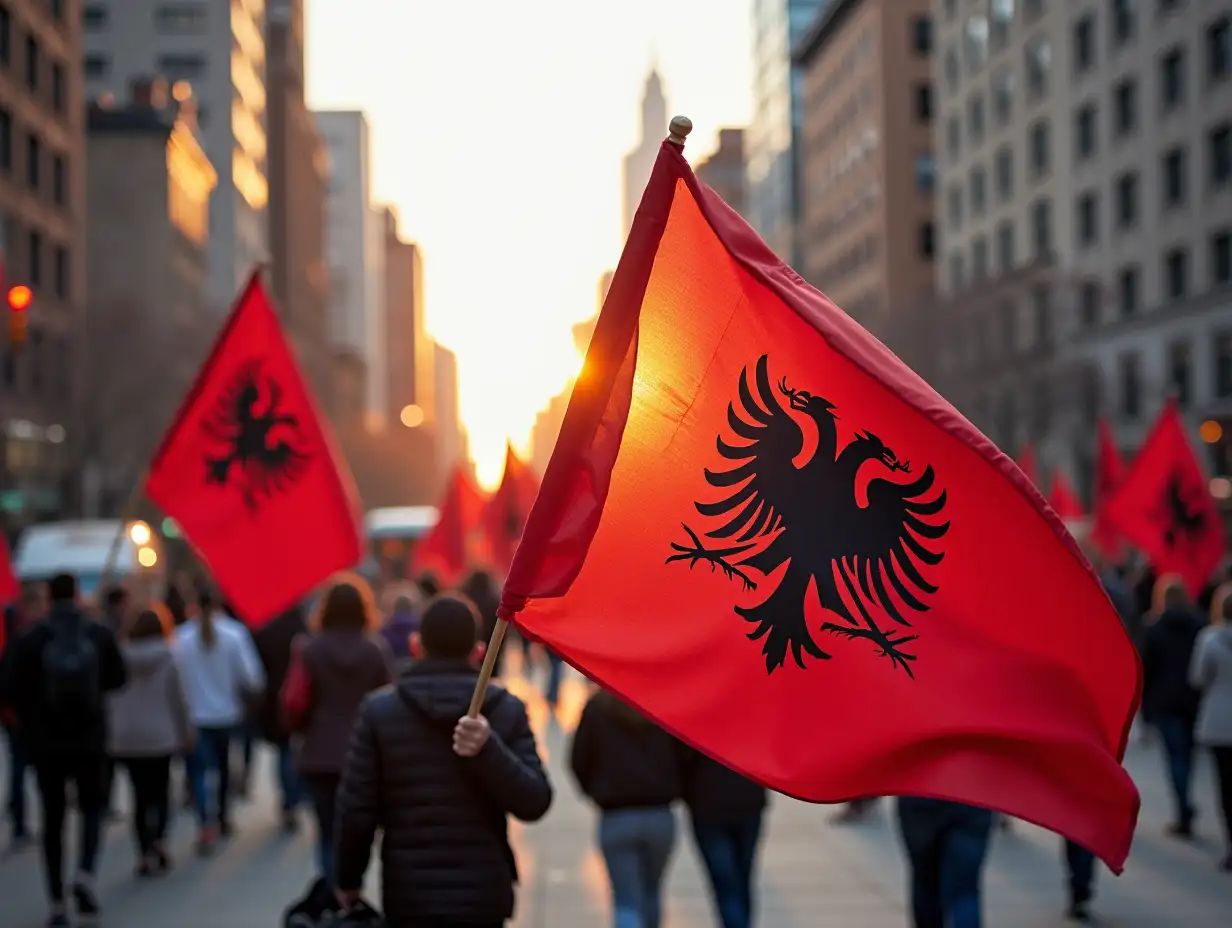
(34, 244)
(975, 119)
(1039, 63)
(181, 67)
(925, 174)
(979, 258)
(922, 36)
(1127, 201)
(1219, 50)
(59, 181)
(1088, 218)
(1003, 97)
(1180, 371)
(952, 71)
(1125, 106)
(57, 87)
(180, 18)
(1221, 258)
(61, 271)
(975, 41)
(924, 103)
(34, 158)
(1005, 246)
(1089, 300)
(95, 17)
(1041, 302)
(1007, 323)
(1174, 171)
(1127, 291)
(928, 241)
(953, 138)
(1172, 80)
(1131, 386)
(1005, 173)
(1041, 228)
(1124, 22)
(1086, 132)
(6, 140)
(1176, 273)
(1041, 148)
(97, 66)
(955, 201)
(1000, 17)
(33, 63)
(1219, 154)
(1084, 44)
(1223, 365)
(978, 190)
(6, 36)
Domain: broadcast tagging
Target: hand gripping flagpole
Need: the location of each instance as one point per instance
(677, 131)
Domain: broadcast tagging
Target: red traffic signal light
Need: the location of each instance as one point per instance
(20, 298)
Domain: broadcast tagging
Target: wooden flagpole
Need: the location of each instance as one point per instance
(678, 131)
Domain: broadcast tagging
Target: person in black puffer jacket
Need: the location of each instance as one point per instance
(440, 785)
(1167, 647)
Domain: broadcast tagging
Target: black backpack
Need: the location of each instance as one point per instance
(71, 671)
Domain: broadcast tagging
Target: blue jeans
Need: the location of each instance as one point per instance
(1080, 866)
(556, 668)
(18, 765)
(637, 845)
(211, 755)
(729, 850)
(946, 844)
(1177, 734)
(288, 779)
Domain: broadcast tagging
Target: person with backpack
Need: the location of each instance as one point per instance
(56, 676)
(439, 785)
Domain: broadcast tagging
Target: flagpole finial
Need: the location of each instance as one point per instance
(679, 129)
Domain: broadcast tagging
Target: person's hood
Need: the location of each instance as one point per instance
(145, 658)
(343, 650)
(442, 690)
(1179, 620)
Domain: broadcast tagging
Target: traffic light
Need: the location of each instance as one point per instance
(20, 297)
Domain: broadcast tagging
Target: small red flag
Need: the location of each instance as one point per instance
(455, 542)
(10, 586)
(249, 470)
(506, 512)
(1109, 471)
(1064, 501)
(769, 535)
(1164, 505)
(1026, 464)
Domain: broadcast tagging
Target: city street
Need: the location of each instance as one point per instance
(812, 872)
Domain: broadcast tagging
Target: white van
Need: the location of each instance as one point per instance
(82, 549)
(390, 534)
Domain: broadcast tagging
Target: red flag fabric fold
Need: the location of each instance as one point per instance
(1109, 471)
(505, 514)
(455, 543)
(1164, 505)
(249, 470)
(1063, 499)
(764, 531)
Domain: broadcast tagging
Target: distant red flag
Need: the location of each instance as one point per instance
(10, 588)
(1026, 464)
(1164, 505)
(505, 515)
(249, 471)
(454, 544)
(1109, 472)
(771, 537)
(1064, 501)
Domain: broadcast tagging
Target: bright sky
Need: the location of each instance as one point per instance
(498, 130)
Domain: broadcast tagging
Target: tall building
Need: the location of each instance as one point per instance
(355, 244)
(866, 234)
(298, 181)
(42, 245)
(451, 443)
(218, 46)
(770, 149)
(409, 350)
(1085, 184)
(147, 327)
(724, 170)
(638, 163)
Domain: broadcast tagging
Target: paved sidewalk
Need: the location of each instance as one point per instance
(812, 873)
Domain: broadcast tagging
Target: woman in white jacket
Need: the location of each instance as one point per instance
(219, 669)
(1211, 672)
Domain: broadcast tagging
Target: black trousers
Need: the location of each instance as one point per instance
(55, 772)
(323, 792)
(151, 779)
(1223, 777)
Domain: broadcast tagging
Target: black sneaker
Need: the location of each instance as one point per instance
(1079, 912)
(87, 901)
(59, 920)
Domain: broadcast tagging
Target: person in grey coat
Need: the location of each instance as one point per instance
(149, 723)
(1211, 672)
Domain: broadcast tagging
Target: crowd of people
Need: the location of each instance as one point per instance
(365, 707)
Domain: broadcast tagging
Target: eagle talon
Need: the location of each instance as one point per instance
(887, 646)
(716, 558)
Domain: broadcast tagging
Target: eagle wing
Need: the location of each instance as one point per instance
(889, 536)
(760, 480)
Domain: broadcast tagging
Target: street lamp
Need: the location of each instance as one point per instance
(139, 532)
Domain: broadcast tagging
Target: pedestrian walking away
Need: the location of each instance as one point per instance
(946, 843)
(631, 769)
(274, 642)
(439, 785)
(1211, 672)
(56, 675)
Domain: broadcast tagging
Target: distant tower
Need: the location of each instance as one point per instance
(639, 162)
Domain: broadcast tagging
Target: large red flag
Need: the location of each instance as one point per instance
(1109, 471)
(1064, 501)
(1026, 463)
(1164, 505)
(770, 536)
(249, 470)
(455, 542)
(505, 515)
